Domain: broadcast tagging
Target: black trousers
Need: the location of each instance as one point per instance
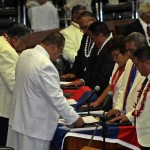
(3, 130)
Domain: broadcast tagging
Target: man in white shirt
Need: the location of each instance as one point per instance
(44, 16)
(72, 3)
(128, 90)
(142, 104)
(73, 35)
(38, 101)
(11, 42)
(140, 24)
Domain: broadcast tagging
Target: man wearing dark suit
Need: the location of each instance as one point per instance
(103, 63)
(102, 69)
(142, 24)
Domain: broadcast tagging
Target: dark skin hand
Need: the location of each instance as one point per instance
(113, 112)
(79, 122)
(120, 119)
(69, 75)
(76, 83)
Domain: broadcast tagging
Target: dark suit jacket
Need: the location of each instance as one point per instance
(101, 70)
(81, 61)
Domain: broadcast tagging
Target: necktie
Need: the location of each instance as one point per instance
(148, 31)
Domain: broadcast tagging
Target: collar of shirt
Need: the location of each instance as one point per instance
(42, 50)
(148, 77)
(75, 24)
(144, 25)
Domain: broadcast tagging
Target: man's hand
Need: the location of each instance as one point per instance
(76, 83)
(79, 122)
(93, 104)
(69, 75)
(113, 112)
(120, 119)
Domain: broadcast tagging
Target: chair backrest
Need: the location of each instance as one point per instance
(121, 29)
(113, 23)
(6, 148)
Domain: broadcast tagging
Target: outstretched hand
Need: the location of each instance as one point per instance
(68, 75)
(79, 122)
(113, 112)
(120, 119)
(76, 83)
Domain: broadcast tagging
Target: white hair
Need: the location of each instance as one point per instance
(144, 7)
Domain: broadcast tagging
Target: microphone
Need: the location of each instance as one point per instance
(108, 101)
(96, 89)
(57, 61)
(70, 87)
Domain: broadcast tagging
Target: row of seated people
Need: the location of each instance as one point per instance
(73, 34)
(94, 64)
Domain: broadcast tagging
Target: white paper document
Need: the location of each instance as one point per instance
(98, 112)
(89, 119)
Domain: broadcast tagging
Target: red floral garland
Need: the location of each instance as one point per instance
(136, 113)
(8, 39)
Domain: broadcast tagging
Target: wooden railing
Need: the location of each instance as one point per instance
(37, 37)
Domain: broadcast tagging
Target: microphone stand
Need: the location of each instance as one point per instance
(103, 118)
(104, 129)
(88, 104)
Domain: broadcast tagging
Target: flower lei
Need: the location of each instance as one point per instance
(8, 39)
(110, 36)
(136, 113)
(88, 47)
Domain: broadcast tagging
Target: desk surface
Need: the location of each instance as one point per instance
(118, 137)
(75, 143)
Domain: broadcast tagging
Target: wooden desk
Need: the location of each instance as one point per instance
(118, 138)
(74, 143)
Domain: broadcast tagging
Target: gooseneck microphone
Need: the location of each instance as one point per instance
(96, 89)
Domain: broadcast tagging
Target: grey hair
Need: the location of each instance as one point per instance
(143, 8)
(138, 38)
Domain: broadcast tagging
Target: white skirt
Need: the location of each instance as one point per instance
(20, 141)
